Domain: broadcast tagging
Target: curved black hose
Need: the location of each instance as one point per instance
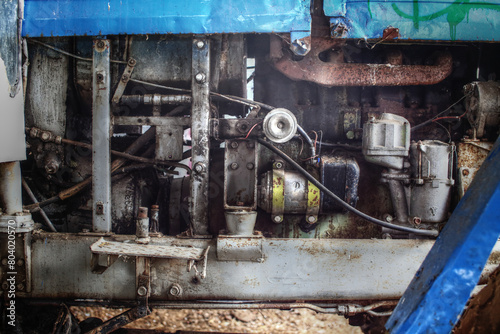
(346, 206)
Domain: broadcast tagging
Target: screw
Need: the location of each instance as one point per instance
(234, 166)
(465, 172)
(250, 166)
(234, 144)
(278, 165)
(131, 62)
(99, 77)
(100, 44)
(311, 219)
(199, 167)
(278, 219)
(200, 44)
(45, 136)
(417, 220)
(175, 290)
(142, 291)
(200, 77)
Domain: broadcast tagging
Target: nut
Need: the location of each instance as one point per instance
(142, 291)
(278, 219)
(465, 172)
(200, 77)
(199, 167)
(417, 220)
(311, 219)
(278, 165)
(234, 166)
(175, 290)
(200, 44)
(234, 144)
(100, 44)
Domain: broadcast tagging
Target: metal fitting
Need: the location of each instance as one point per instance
(200, 44)
(250, 166)
(199, 167)
(200, 77)
(234, 166)
(142, 291)
(132, 62)
(311, 219)
(234, 144)
(175, 290)
(100, 44)
(417, 220)
(277, 219)
(278, 165)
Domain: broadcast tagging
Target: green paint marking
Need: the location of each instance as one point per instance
(455, 13)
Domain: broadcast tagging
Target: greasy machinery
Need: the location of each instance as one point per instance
(246, 165)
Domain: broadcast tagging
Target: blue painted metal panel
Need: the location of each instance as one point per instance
(462, 20)
(439, 291)
(99, 17)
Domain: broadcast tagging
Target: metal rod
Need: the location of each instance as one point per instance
(10, 187)
(101, 137)
(33, 198)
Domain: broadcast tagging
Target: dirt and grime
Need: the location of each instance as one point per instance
(234, 321)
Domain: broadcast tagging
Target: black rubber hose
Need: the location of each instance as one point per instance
(429, 233)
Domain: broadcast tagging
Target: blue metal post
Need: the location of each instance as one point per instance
(441, 287)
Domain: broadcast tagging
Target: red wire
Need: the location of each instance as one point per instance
(251, 129)
(450, 117)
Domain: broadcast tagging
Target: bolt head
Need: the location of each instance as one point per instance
(142, 291)
(199, 167)
(234, 144)
(311, 219)
(278, 165)
(278, 219)
(100, 44)
(175, 290)
(234, 166)
(250, 166)
(417, 220)
(200, 44)
(200, 77)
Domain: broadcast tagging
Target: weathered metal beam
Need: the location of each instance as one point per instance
(439, 291)
(101, 137)
(200, 134)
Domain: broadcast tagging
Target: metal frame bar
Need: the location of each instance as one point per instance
(101, 137)
(200, 134)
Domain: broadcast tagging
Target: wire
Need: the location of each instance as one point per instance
(346, 206)
(441, 113)
(253, 127)
(70, 54)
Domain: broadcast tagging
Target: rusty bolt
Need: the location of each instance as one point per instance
(125, 78)
(100, 77)
(200, 44)
(20, 287)
(250, 166)
(142, 291)
(417, 220)
(45, 136)
(234, 144)
(175, 290)
(132, 62)
(278, 219)
(311, 219)
(100, 44)
(199, 167)
(143, 212)
(20, 262)
(52, 167)
(234, 166)
(465, 172)
(200, 77)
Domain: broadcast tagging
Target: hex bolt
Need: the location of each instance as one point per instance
(311, 219)
(142, 291)
(278, 219)
(175, 290)
(234, 144)
(199, 167)
(200, 44)
(45, 136)
(100, 44)
(234, 166)
(200, 77)
(250, 166)
(278, 165)
(417, 220)
(465, 172)
(132, 62)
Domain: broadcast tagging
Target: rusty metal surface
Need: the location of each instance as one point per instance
(470, 157)
(132, 249)
(312, 68)
(292, 269)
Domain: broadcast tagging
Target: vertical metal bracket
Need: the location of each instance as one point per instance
(200, 133)
(127, 73)
(101, 137)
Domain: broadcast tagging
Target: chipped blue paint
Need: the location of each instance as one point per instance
(462, 20)
(99, 17)
(439, 291)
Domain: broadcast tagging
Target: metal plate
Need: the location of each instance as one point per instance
(99, 17)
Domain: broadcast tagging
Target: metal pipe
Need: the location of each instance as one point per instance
(312, 68)
(33, 198)
(10, 187)
(398, 199)
(151, 98)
